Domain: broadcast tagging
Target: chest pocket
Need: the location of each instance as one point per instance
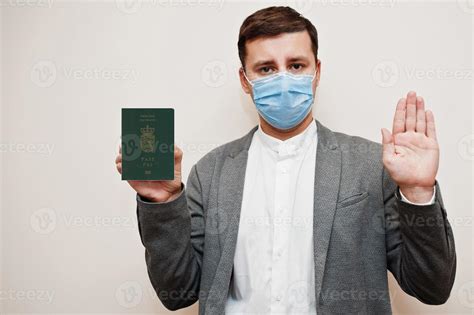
(352, 199)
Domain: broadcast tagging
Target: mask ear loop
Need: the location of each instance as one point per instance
(314, 75)
(243, 71)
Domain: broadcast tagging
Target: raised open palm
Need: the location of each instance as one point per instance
(411, 151)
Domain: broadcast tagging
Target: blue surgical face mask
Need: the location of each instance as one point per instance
(283, 99)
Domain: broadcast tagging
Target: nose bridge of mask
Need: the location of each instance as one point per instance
(283, 73)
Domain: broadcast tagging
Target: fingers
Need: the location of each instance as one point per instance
(420, 115)
(399, 117)
(118, 160)
(430, 125)
(410, 119)
(416, 118)
(387, 143)
(178, 154)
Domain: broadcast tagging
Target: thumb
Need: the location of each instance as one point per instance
(387, 142)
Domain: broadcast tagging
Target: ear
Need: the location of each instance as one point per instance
(243, 81)
(318, 74)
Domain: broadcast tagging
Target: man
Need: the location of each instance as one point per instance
(294, 218)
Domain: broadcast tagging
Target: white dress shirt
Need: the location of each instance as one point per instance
(273, 263)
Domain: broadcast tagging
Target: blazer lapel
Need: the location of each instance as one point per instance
(231, 185)
(326, 189)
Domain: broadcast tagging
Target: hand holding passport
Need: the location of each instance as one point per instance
(148, 158)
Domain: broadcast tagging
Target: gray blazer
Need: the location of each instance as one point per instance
(361, 229)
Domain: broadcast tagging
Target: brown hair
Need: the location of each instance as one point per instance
(273, 21)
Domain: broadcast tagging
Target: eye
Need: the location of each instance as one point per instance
(265, 70)
(297, 67)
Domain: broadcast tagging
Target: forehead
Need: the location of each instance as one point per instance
(279, 48)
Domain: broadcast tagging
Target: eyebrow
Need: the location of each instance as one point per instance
(270, 61)
(263, 62)
(298, 58)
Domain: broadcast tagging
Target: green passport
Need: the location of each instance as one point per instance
(147, 143)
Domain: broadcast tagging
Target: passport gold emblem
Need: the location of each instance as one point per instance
(147, 139)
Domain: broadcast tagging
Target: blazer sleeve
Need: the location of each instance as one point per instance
(420, 245)
(173, 236)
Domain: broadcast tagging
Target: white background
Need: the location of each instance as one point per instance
(69, 238)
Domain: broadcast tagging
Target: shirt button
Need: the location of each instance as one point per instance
(284, 170)
(278, 298)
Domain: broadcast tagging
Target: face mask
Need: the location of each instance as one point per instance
(283, 99)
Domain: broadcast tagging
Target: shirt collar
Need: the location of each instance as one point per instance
(291, 146)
